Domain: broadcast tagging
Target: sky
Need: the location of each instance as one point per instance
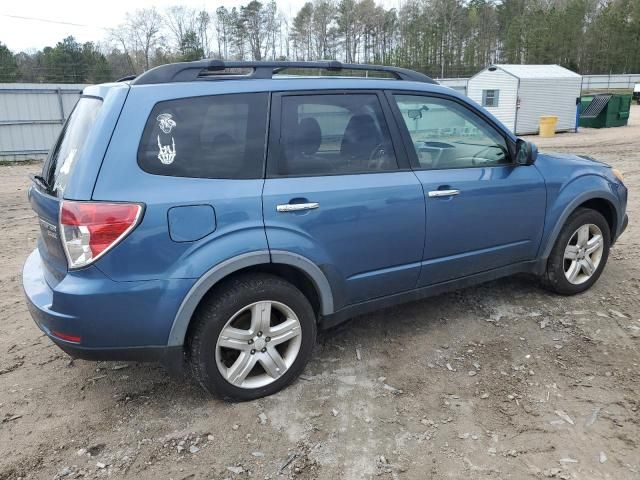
(89, 20)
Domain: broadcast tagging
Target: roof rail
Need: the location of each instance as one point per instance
(206, 69)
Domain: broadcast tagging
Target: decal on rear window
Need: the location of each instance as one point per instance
(166, 153)
(166, 122)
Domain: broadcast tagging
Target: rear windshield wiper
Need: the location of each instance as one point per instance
(41, 182)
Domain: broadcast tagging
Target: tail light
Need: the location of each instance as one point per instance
(90, 229)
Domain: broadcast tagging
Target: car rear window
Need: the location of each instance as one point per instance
(221, 136)
(64, 156)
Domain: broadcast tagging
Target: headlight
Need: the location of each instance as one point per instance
(618, 174)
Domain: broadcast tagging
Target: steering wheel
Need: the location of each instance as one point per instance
(438, 152)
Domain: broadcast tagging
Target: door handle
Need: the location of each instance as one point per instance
(443, 193)
(296, 207)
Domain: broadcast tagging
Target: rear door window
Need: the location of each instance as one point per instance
(331, 134)
(67, 149)
(220, 136)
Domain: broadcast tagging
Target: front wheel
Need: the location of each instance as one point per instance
(252, 337)
(579, 254)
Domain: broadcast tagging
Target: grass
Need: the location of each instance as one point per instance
(9, 163)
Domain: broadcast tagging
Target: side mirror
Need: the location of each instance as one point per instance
(526, 152)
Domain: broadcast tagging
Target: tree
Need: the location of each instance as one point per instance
(346, 27)
(223, 28)
(8, 65)
(324, 13)
(202, 26)
(190, 48)
(237, 34)
(302, 33)
(254, 21)
(139, 36)
(98, 68)
(272, 26)
(180, 21)
(28, 66)
(63, 63)
(438, 37)
(119, 63)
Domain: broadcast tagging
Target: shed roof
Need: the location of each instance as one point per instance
(537, 71)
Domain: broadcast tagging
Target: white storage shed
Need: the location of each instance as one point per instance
(518, 95)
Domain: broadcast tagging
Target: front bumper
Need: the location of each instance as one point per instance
(113, 320)
(625, 224)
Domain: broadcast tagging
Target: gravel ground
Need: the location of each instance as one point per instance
(500, 381)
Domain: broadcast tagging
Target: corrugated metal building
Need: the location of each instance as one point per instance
(518, 95)
(31, 115)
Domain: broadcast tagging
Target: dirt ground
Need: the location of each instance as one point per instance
(500, 381)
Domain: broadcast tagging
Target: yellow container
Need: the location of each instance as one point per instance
(548, 125)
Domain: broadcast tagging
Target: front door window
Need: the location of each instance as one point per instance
(447, 135)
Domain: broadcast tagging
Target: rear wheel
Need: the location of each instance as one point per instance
(579, 254)
(252, 338)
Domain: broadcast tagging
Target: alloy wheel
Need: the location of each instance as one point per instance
(258, 344)
(583, 254)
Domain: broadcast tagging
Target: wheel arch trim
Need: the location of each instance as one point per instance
(219, 272)
(315, 274)
(569, 209)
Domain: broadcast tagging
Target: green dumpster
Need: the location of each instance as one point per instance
(604, 110)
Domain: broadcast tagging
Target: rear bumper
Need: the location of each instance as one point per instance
(112, 320)
(172, 358)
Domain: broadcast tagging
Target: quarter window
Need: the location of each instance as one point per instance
(446, 134)
(67, 151)
(490, 98)
(220, 136)
(333, 134)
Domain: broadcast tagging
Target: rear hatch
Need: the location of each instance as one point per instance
(49, 186)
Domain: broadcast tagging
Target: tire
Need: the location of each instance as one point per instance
(238, 308)
(561, 269)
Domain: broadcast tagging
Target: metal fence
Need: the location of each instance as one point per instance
(609, 82)
(590, 83)
(31, 114)
(459, 84)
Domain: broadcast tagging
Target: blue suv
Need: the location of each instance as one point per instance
(216, 214)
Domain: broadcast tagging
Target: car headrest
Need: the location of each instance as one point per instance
(308, 136)
(360, 136)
